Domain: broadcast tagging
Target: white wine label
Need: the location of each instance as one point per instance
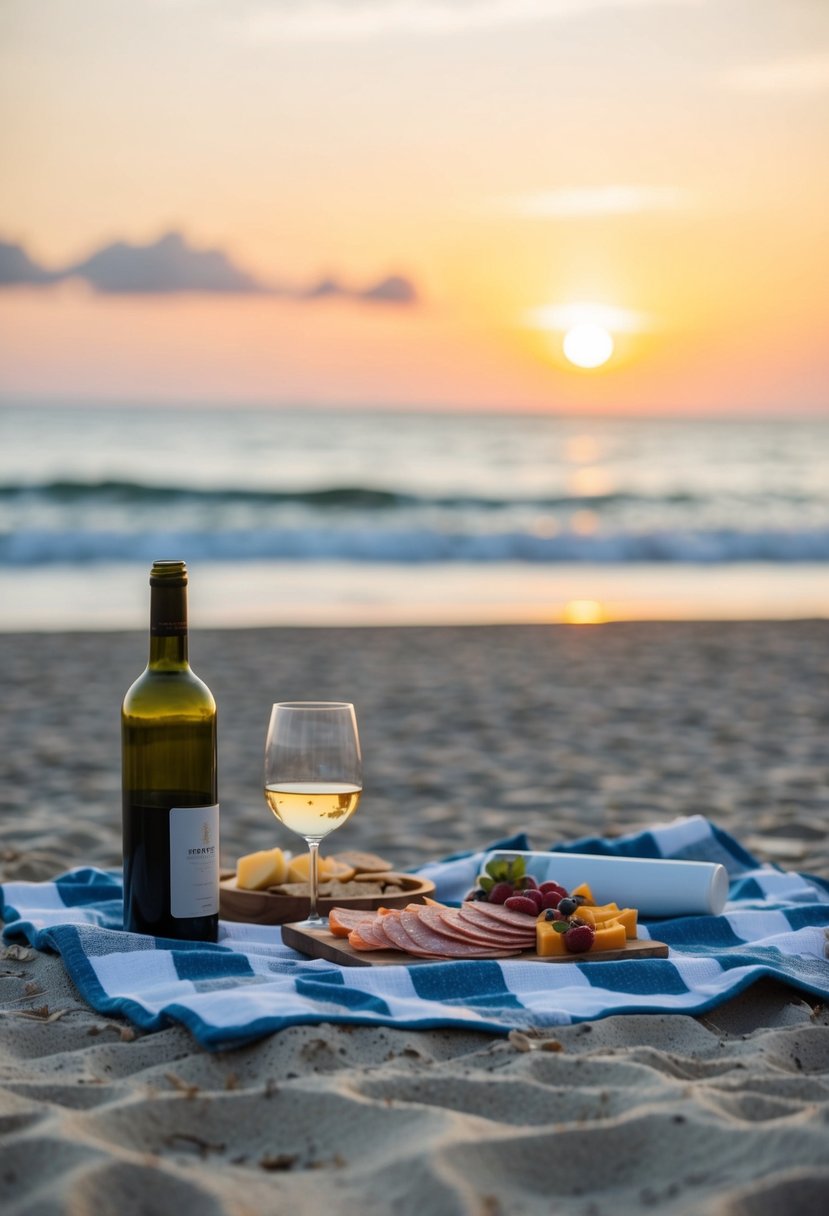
(194, 860)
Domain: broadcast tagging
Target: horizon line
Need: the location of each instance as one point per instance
(703, 414)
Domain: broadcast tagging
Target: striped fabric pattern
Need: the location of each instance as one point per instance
(250, 984)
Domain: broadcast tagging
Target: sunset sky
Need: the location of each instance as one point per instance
(412, 201)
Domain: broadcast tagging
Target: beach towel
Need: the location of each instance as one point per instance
(250, 984)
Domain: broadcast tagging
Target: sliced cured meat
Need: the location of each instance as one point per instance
(450, 921)
(435, 932)
(498, 912)
(370, 935)
(523, 933)
(469, 913)
(395, 930)
(342, 920)
(497, 928)
(441, 944)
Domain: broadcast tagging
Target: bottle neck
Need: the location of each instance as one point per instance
(168, 627)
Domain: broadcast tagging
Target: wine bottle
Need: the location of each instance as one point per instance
(169, 790)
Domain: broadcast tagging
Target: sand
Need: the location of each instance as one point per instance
(468, 734)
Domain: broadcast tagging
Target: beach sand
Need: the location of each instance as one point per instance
(468, 734)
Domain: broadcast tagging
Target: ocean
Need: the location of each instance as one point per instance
(289, 516)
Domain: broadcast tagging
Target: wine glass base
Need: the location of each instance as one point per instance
(316, 922)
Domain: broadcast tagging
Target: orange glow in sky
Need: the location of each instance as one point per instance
(417, 204)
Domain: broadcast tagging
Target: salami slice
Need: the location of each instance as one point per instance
(342, 920)
(476, 916)
(476, 913)
(434, 942)
(370, 935)
(396, 931)
(496, 912)
(471, 931)
(450, 921)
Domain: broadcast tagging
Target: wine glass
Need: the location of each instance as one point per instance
(313, 774)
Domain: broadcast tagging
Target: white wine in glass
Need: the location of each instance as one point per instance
(313, 774)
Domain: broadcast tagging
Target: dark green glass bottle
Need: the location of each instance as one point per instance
(169, 788)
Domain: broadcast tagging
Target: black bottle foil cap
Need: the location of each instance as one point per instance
(166, 573)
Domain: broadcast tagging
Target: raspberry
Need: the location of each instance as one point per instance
(522, 903)
(579, 938)
(550, 900)
(501, 892)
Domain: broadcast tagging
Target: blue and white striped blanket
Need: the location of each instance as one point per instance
(249, 984)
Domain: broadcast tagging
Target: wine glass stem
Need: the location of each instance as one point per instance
(313, 848)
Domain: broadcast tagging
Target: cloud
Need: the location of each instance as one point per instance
(804, 74)
(170, 265)
(325, 289)
(560, 317)
(356, 20)
(161, 267)
(396, 289)
(577, 202)
(16, 267)
(167, 265)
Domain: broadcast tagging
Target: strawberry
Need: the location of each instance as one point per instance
(579, 938)
(547, 888)
(522, 903)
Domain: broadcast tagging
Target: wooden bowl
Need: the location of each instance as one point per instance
(271, 908)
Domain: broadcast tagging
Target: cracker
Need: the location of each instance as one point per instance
(327, 890)
(364, 863)
(340, 890)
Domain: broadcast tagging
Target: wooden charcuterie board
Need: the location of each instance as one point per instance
(321, 943)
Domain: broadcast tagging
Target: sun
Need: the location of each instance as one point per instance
(584, 331)
(588, 345)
